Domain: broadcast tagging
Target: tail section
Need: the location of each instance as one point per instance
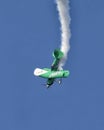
(58, 54)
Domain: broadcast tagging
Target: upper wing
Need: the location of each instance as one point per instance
(58, 55)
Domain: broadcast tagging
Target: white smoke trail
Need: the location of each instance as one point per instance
(65, 20)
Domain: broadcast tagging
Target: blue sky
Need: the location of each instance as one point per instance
(29, 32)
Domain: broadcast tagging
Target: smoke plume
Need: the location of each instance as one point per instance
(65, 20)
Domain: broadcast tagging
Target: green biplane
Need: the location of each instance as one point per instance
(55, 72)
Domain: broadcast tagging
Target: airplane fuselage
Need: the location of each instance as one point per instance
(54, 72)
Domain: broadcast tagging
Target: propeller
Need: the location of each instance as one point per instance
(46, 85)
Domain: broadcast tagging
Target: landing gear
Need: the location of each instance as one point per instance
(60, 81)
